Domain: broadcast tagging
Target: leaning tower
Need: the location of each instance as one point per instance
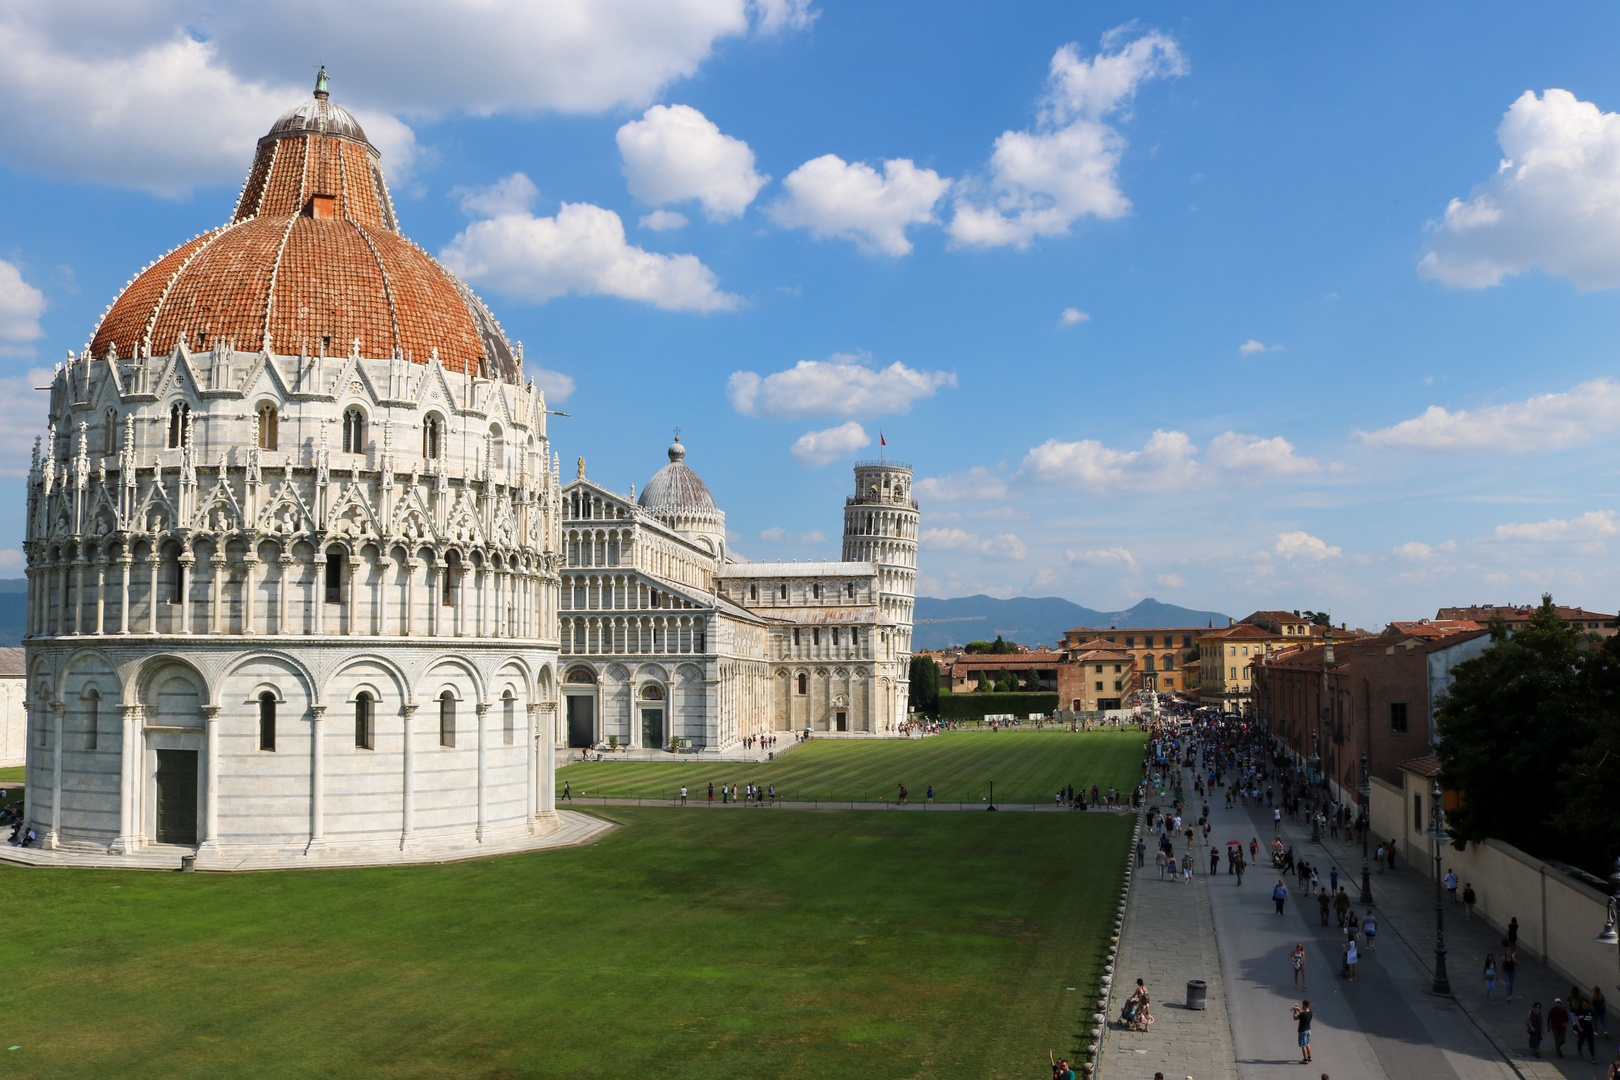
(880, 527)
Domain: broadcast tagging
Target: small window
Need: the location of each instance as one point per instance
(1130, 643)
(784, 592)
(109, 432)
(835, 635)
(815, 636)
(363, 733)
(795, 635)
(804, 683)
(1397, 717)
(92, 718)
(354, 431)
(179, 413)
(815, 590)
(179, 579)
(334, 577)
(753, 592)
(447, 719)
(508, 718)
(851, 587)
(1417, 811)
(447, 594)
(267, 721)
(269, 422)
(1099, 685)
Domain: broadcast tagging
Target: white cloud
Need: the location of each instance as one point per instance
(775, 16)
(778, 535)
(973, 484)
(1254, 345)
(22, 418)
(674, 153)
(176, 93)
(1543, 422)
(1071, 316)
(663, 220)
(832, 197)
(581, 251)
(1302, 545)
(1414, 551)
(1041, 181)
(1171, 581)
(1167, 460)
(1554, 201)
(1114, 556)
(1006, 544)
(512, 194)
(21, 305)
(814, 449)
(557, 386)
(1255, 456)
(1592, 525)
(839, 386)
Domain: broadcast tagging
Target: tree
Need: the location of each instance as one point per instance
(977, 647)
(984, 686)
(1515, 716)
(1193, 656)
(1032, 681)
(924, 684)
(1002, 648)
(1316, 618)
(1007, 683)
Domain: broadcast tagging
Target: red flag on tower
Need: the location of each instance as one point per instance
(881, 440)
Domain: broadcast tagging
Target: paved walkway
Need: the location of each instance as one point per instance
(699, 801)
(1405, 901)
(1169, 938)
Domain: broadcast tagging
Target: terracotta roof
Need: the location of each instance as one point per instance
(1243, 632)
(1427, 765)
(1432, 628)
(1010, 661)
(312, 259)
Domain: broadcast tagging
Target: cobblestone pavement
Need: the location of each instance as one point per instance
(1405, 901)
(1169, 938)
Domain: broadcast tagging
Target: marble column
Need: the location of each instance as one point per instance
(210, 841)
(407, 813)
(123, 606)
(532, 769)
(101, 597)
(53, 835)
(216, 606)
(186, 562)
(129, 762)
(317, 780)
(482, 711)
(250, 572)
(285, 562)
(384, 564)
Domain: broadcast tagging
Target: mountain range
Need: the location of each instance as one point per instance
(1032, 620)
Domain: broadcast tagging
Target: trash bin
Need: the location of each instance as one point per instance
(1196, 991)
(188, 863)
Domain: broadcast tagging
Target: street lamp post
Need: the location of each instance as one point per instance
(1609, 935)
(1366, 802)
(1316, 764)
(992, 805)
(1442, 984)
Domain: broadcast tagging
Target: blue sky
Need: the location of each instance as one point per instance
(1288, 376)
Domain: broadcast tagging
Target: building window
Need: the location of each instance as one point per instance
(92, 718)
(1186, 641)
(1130, 642)
(267, 721)
(508, 718)
(1099, 685)
(795, 635)
(753, 592)
(334, 577)
(1169, 663)
(448, 592)
(1231, 650)
(430, 438)
(364, 731)
(179, 413)
(1118, 669)
(835, 635)
(815, 636)
(354, 431)
(851, 587)
(1169, 684)
(178, 596)
(268, 423)
(1233, 675)
(109, 432)
(1099, 671)
(1118, 685)
(447, 719)
(815, 590)
(1417, 810)
(1147, 662)
(784, 592)
(804, 683)
(1397, 717)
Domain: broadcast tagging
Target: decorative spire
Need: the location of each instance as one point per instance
(320, 84)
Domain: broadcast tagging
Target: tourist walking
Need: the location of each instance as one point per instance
(1160, 859)
(683, 794)
(1468, 900)
(1297, 959)
(1510, 967)
(1323, 903)
(1241, 866)
(1558, 1024)
(1585, 1029)
(1141, 849)
(1302, 1021)
(1350, 958)
(1600, 1010)
(1534, 1025)
(1490, 975)
(1279, 895)
(1341, 906)
(1369, 930)
(711, 792)
(1451, 883)
(568, 795)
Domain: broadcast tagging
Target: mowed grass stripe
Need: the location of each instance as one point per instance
(820, 946)
(1027, 766)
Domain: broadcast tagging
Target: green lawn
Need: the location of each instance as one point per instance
(13, 775)
(1027, 766)
(809, 945)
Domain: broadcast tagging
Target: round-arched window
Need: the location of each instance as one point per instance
(354, 431)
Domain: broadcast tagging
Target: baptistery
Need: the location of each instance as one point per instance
(293, 545)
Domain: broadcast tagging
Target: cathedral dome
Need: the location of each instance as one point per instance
(675, 487)
(311, 261)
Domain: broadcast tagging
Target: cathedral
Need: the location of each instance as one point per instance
(305, 585)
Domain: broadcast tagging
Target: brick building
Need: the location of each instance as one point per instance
(1578, 618)
(1159, 655)
(1331, 702)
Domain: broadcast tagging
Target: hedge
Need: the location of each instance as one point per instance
(974, 705)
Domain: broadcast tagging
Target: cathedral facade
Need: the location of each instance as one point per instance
(670, 642)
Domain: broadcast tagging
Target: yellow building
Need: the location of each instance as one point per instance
(1227, 657)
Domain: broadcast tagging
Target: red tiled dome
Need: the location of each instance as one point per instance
(311, 260)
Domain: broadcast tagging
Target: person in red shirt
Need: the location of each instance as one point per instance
(1558, 1024)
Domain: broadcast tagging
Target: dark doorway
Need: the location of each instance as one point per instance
(177, 796)
(842, 720)
(581, 720)
(652, 729)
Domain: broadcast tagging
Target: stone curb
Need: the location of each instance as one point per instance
(1105, 995)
